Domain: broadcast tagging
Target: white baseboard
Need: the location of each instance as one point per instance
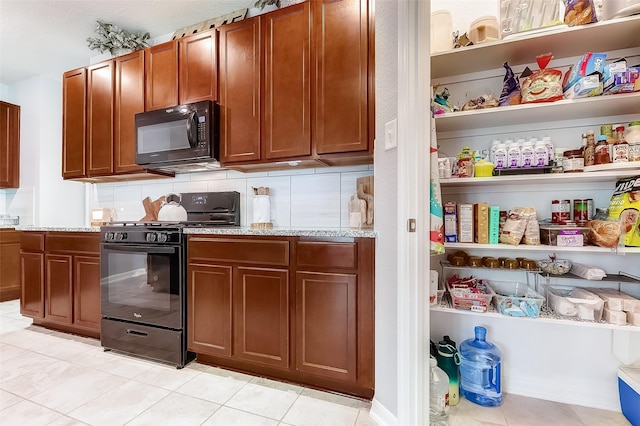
(381, 415)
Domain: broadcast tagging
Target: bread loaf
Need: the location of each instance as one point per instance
(604, 233)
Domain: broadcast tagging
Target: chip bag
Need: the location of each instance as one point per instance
(625, 208)
(579, 12)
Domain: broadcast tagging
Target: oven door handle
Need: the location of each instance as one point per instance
(138, 249)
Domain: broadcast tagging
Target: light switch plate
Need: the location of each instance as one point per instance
(391, 135)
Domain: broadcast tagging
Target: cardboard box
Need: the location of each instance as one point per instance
(450, 222)
(481, 223)
(620, 78)
(586, 65)
(494, 224)
(465, 223)
(585, 87)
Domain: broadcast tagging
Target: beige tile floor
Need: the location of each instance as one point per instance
(52, 378)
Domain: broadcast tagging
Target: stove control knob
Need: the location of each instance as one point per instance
(162, 238)
(120, 236)
(151, 237)
(108, 236)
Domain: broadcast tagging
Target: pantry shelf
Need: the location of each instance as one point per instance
(566, 109)
(524, 247)
(611, 175)
(545, 317)
(564, 42)
(616, 278)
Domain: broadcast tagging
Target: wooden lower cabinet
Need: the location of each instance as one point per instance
(284, 307)
(9, 259)
(60, 277)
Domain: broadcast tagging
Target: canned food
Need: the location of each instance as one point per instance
(590, 209)
(580, 210)
(560, 211)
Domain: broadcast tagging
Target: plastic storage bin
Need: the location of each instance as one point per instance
(575, 302)
(564, 235)
(477, 299)
(516, 299)
(629, 388)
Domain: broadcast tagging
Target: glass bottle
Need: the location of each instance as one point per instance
(601, 155)
(607, 130)
(590, 149)
(620, 147)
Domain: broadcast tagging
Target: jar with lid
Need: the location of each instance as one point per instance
(633, 139)
(465, 162)
(590, 149)
(601, 155)
(573, 161)
(620, 147)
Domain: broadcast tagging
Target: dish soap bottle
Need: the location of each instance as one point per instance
(438, 395)
(480, 370)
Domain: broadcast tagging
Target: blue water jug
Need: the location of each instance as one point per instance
(480, 369)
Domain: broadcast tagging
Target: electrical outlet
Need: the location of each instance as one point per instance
(391, 135)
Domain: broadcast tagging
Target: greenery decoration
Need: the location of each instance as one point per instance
(262, 3)
(113, 38)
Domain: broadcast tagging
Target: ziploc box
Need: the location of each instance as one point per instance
(586, 65)
(481, 223)
(619, 78)
(450, 222)
(465, 223)
(590, 85)
(494, 224)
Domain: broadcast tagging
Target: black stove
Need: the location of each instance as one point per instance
(143, 279)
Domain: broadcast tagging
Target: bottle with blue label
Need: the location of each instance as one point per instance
(480, 370)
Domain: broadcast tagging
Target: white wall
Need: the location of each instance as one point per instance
(301, 199)
(385, 404)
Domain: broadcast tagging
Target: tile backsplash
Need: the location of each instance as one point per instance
(300, 199)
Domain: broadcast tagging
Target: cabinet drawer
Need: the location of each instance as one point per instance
(243, 251)
(320, 254)
(32, 241)
(73, 242)
(9, 236)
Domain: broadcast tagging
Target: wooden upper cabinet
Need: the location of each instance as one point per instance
(100, 106)
(9, 145)
(161, 75)
(341, 65)
(286, 126)
(74, 88)
(239, 90)
(198, 67)
(129, 100)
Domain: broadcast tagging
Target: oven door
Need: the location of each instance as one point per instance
(143, 284)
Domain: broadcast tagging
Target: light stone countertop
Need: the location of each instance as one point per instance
(281, 232)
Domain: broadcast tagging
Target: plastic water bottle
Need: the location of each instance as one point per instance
(449, 360)
(480, 370)
(438, 395)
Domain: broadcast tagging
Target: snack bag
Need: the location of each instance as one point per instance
(544, 85)
(579, 12)
(625, 209)
(510, 88)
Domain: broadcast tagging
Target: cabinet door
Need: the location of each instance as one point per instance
(129, 100)
(240, 91)
(74, 90)
(198, 67)
(9, 145)
(161, 75)
(209, 309)
(261, 315)
(100, 104)
(86, 292)
(326, 324)
(59, 288)
(286, 127)
(9, 262)
(341, 55)
(32, 283)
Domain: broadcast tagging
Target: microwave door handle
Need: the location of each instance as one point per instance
(192, 129)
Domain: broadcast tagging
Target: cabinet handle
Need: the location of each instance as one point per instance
(137, 333)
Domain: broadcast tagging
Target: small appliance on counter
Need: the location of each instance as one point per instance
(8, 220)
(101, 217)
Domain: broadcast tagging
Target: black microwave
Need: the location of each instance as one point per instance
(179, 137)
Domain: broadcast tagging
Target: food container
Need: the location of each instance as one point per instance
(564, 235)
(484, 29)
(574, 302)
(555, 267)
(516, 299)
(477, 299)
